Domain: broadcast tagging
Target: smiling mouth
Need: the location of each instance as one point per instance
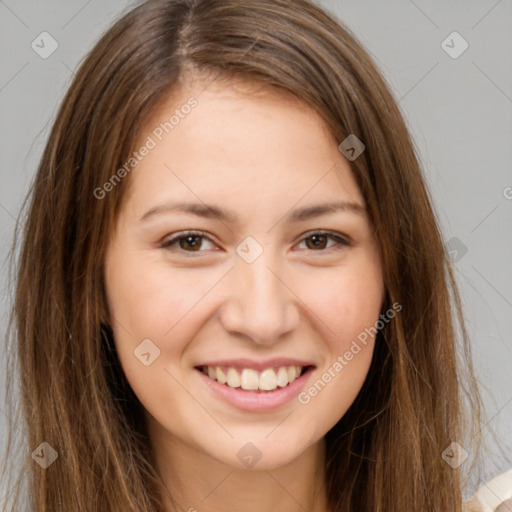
(249, 379)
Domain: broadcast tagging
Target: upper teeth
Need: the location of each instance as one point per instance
(267, 380)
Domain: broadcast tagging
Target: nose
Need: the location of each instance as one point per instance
(260, 304)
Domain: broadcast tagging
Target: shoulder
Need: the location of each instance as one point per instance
(493, 496)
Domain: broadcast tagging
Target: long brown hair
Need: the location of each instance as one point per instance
(420, 395)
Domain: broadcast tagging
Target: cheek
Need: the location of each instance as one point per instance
(148, 302)
(146, 312)
(348, 302)
(146, 299)
(349, 313)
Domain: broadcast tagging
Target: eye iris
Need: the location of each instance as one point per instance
(317, 237)
(188, 239)
(192, 242)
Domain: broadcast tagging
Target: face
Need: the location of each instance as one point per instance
(250, 283)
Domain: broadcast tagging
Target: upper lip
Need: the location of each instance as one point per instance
(257, 365)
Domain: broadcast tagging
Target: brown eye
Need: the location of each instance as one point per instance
(187, 242)
(318, 241)
(191, 241)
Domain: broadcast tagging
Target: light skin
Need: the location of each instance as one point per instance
(260, 155)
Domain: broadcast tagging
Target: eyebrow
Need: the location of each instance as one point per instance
(211, 211)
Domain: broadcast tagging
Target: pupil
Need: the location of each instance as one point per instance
(316, 237)
(316, 240)
(189, 240)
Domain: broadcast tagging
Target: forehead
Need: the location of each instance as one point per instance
(239, 141)
(229, 104)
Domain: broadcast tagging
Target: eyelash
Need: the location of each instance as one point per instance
(341, 242)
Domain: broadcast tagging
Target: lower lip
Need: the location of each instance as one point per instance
(248, 400)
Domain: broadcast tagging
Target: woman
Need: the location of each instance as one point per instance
(305, 356)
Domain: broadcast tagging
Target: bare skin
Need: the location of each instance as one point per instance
(260, 155)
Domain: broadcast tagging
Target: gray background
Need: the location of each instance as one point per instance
(459, 111)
